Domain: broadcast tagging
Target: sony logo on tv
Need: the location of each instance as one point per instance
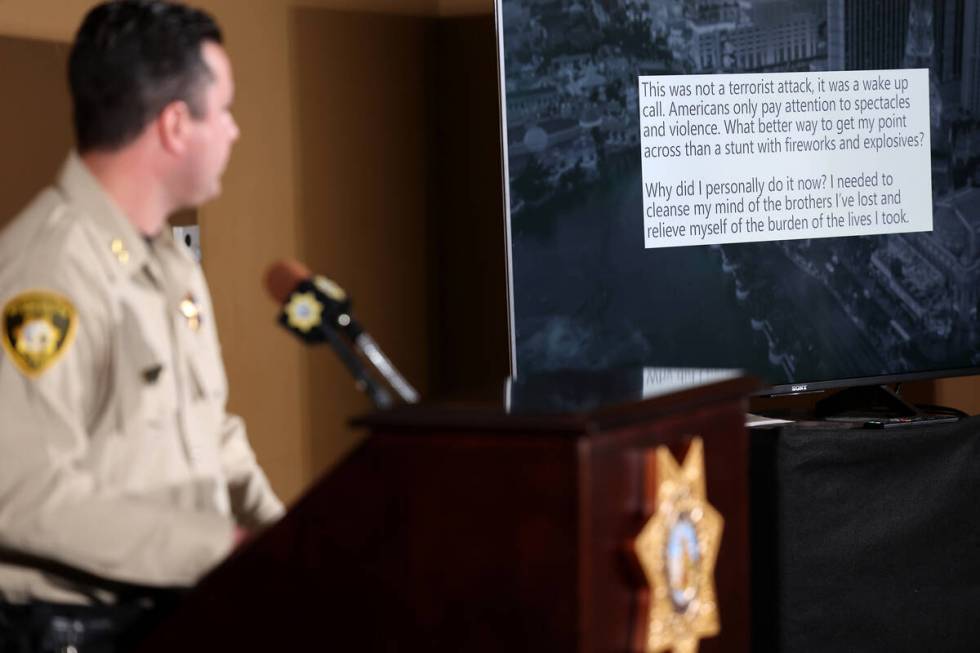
(799, 388)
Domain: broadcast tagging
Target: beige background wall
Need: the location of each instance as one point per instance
(370, 150)
(34, 122)
(361, 160)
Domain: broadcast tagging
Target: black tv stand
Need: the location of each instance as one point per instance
(864, 402)
(876, 405)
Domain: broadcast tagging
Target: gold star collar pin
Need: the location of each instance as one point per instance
(677, 549)
(191, 311)
(119, 250)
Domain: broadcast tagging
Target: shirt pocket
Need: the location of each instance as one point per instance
(206, 371)
(146, 380)
(208, 386)
(145, 452)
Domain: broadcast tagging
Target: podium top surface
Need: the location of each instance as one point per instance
(574, 400)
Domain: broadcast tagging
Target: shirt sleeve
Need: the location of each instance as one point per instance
(54, 501)
(253, 501)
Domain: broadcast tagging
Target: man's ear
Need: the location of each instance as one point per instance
(173, 126)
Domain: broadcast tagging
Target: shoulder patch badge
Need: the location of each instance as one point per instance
(38, 327)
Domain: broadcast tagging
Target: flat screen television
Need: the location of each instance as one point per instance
(598, 280)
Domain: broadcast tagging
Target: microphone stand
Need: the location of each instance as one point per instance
(334, 326)
(379, 396)
(372, 352)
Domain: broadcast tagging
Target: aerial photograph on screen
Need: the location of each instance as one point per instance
(586, 294)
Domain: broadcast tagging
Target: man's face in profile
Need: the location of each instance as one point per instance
(212, 135)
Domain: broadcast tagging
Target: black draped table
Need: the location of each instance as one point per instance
(866, 540)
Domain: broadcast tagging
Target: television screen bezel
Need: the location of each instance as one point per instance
(781, 389)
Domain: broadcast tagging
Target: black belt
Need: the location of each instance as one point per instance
(56, 628)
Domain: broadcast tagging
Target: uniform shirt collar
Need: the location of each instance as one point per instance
(173, 257)
(122, 240)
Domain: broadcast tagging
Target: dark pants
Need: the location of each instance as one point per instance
(53, 628)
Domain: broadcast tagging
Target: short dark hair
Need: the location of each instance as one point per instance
(130, 59)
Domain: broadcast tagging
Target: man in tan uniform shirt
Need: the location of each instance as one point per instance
(117, 457)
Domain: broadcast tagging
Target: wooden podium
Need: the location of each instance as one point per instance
(489, 526)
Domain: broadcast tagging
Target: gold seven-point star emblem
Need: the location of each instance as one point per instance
(304, 312)
(677, 549)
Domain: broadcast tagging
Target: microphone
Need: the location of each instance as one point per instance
(309, 301)
(316, 309)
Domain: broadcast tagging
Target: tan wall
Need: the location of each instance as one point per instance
(470, 347)
(464, 7)
(362, 168)
(35, 122)
(962, 393)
